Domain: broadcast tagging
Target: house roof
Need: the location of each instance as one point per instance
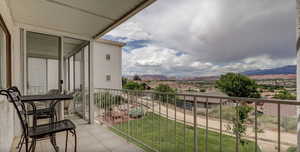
(87, 18)
(110, 42)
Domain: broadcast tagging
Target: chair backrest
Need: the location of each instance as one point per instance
(15, 98)
(53, 92)
(15, 89)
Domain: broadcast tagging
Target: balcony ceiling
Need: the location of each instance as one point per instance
(89, 18)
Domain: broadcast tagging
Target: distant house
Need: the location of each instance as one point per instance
(202, 102)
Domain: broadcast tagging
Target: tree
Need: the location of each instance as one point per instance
(124, 81)
(284, 95)
(238, 85)
(133, 86)
(136, 78)
(164, 88)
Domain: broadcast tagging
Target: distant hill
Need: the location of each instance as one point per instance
(290, 69)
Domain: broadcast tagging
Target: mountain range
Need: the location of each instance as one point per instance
(289, 69)
(288, 72)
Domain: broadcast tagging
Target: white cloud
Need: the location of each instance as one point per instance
(154, 59)
(207, 37)
(130, 31)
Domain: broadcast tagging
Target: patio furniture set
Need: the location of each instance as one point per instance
(31, 116)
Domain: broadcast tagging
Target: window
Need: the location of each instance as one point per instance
(5, 55)
(107, 57)
(108, 77)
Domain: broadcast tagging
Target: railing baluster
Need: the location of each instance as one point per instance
(221, 127)
(195, 126)
(143, 113)
(237, 148)
(175, 119)
(153, 98)
(184, 123)
(128, 110)
(206, 125)
(255, 125)
(278, 111)
(159, 135)
(167, 110)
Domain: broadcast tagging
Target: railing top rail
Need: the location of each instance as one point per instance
(203, 95)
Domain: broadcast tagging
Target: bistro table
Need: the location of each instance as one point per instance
(53, 99)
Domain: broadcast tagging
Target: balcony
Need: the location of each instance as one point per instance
(186, 122)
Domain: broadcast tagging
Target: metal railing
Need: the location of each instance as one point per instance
(188, 122)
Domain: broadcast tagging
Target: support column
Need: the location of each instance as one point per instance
(61, 76)
(298, 72)
(91, 81)
(82, 84)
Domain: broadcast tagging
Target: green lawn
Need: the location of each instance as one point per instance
(167, 136)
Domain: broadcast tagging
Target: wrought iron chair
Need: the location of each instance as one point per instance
(40, 113)
(37, 132)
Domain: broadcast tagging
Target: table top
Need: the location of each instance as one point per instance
(40, 98)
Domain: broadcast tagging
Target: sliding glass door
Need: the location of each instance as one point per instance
(43, 57)
(77, 75)
(57, 64)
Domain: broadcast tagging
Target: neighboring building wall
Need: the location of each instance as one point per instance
(7, 116)
(107, 63)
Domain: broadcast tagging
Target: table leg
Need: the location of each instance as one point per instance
(53, 136)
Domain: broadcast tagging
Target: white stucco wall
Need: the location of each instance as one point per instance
(102, 67)
(8, 128)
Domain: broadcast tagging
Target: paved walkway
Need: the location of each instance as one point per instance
(91, 138)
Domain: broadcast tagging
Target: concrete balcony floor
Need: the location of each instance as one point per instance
(91, 138)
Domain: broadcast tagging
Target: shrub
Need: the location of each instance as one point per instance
(133, 86)
(136, 112)
(292, 149)
(164, 88)
(284, 95)
(202, 90)
(107, 100)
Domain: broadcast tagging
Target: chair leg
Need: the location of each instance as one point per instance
(31, 145)
(75, 136)
(26, 144)
(34, 145)
(67, 134)
(21, 144)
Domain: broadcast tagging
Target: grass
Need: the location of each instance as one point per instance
(168, 136)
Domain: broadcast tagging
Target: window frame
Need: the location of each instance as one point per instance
(108, 76)
(8, 70)
(107, 57)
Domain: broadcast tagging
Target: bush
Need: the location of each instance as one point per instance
(292, 149)
(107, 100)
(284, 95)
(164, 88)
(136, 112)
(202, 90)
(133, 86)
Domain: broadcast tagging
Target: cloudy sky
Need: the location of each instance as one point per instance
(208, 37)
